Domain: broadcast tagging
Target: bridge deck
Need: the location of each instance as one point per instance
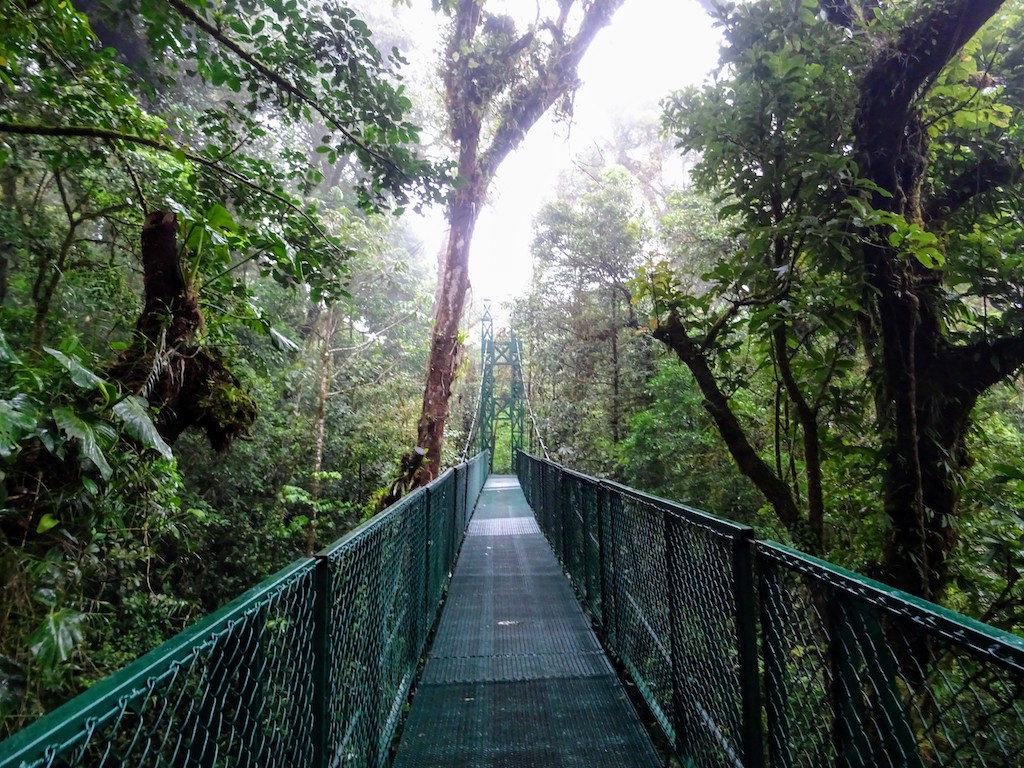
(515, 676)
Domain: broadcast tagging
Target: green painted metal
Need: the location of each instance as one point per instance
(502, 390)
(668, 610)
(310, 668)
(156, 710)
(750, 653)
(861, 674)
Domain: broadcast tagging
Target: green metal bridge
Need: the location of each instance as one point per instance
(553, 619)
(742, 652)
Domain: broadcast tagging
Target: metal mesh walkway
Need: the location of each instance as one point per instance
(515, 676)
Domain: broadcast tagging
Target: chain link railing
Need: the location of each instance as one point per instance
(860, 674)
(310, 668)
(853, 673)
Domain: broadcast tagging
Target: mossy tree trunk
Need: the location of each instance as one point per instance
(498, 83)
(188, 383)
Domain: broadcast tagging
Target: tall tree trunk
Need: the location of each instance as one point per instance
(330, 325)
(486, 86)
(922, 403)
(616, 386)
(453, 284)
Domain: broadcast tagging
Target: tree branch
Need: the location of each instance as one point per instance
(976, 367)
(900, 72)
(983, 176)
(809, 426)
(284, 84)
(93, 132)
(674, 335)
(531, 100)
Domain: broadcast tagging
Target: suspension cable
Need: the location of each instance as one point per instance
(529, 406)
(472, 425)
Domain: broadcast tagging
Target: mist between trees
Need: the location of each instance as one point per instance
(216, 324)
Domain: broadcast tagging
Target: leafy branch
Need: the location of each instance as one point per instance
(283, 83)
(107, 134)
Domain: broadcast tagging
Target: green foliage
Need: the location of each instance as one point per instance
(790, 312)
(278, 134)
(673, 451)
(990, 554)
(89, 491)
(236, 205)
(588, 361)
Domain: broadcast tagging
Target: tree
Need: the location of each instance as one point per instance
(869, 158)
(104, 159)
(232, 206)
(164, 207)
(588, 365)
(498, 82)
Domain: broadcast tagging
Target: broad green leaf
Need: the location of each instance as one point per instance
(80, 375)
(46, 522)
(7, 355)
(134, 414)
(17, 418)
(77, 428)
(53, 641)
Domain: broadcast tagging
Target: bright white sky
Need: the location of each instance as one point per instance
(650, 48)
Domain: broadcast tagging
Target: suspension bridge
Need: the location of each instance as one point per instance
(549, 618)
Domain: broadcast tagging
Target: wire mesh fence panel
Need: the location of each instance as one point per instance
(386, 585)
(608, 505)
(438, 545)
(360, 612)
(310, 668)
(855, 674)
(574, 531)
(551, 506)
(478, 470)
(705, 643)
(233, 690)
(592, 550)
(859, 674)
(644, 645)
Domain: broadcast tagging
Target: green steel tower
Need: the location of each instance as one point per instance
(501, 388)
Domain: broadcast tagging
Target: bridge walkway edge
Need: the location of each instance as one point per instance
(515, 675)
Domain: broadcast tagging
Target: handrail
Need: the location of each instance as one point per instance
(309, 668)
(750, 653)
(67, 727)
(995, 645)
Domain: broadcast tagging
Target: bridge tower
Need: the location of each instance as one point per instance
(502, 392)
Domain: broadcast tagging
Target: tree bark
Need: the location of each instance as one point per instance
(673, 333)
(468, 98)
(188, 383)
(330, 325)
(922, 406)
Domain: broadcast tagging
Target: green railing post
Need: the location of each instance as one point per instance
(775, 700)
(899, 737)
(321, 660)
(746, 646)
